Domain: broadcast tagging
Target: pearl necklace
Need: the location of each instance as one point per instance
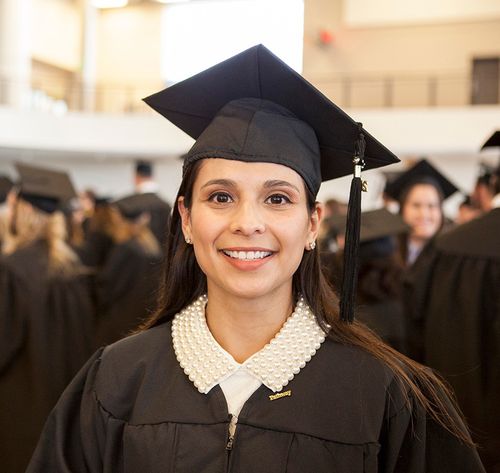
(207, 364)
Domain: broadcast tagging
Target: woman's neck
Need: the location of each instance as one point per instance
(244, 326)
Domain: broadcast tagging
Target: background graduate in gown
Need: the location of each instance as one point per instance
(453, 300)
(46, 314)
(379, 297)
(127, 282)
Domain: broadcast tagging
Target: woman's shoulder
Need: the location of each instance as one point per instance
(362, 372)
(25, 261)
(133, 368)
(138, 349)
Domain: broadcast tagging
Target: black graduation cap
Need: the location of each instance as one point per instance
(377, 229)
(132, 206)
(390, 176)
(255, 108)
(102, 200)
(492, 141)
(375, 224)
(144, 168)
(422, 172)
(46, 189)
(6, 185)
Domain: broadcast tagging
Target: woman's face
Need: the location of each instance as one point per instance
(422, 211)
(250, 225)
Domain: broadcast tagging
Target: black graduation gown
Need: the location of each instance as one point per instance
(454, 307)
(159, 212)
(95, 249)
(132, 409)
(45, 338)
(387, 319)
(126, 290)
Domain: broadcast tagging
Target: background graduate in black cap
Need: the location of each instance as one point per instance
(157, 210)
(420, 192)
(127, 282)
(46, 313)
(379, 297)
(454, 311)
(250, 364)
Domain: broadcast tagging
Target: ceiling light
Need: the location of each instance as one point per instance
(172, 1)
(109, 3)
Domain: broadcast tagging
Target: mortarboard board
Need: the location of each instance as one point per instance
(101, 201)
(376, 229)
(375, 224)
(255, 108)
(492, 141)
(284, 115)
(6, 185)
(46, 189)
(132, 206)
(422, 172)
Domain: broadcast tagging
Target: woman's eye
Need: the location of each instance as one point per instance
(220, 198)
(278, 199)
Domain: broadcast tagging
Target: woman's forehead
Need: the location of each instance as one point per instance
(243, 173)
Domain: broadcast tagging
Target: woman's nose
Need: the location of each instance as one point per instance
(247, 219)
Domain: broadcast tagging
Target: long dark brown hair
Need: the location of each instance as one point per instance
(183, 282)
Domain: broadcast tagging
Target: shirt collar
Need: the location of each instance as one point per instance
(495, 203)
(207, 364)
(147, 187)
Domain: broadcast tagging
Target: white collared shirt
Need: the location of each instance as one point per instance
(207, 364)
(147, 187)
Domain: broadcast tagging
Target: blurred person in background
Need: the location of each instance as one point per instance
(159, 211)
(95, 248)
(467, 211)
(482, 194)
(46, 313)
(379, 302)
(7, 197)
(453, 306)
(126, 283)
(327, 236)
(420, 192)
(389, 202)
(87, 202)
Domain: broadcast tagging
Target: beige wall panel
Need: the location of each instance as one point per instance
(56, 33)
(129, 47)
(410, 92)
(386, 12)
(424, 48)
(419, 53)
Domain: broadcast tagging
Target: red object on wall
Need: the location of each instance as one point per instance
(325, 37)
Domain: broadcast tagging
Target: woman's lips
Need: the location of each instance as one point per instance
(247, 259)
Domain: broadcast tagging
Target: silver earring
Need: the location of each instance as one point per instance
(188, 240)
(312, 245)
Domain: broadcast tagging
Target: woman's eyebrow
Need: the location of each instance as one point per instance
(219, 182)
(280, 183)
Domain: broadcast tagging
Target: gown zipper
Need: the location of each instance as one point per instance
(230, 440)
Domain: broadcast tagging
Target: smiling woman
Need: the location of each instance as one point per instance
(247, 364)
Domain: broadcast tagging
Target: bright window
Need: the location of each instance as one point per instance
(200, 34)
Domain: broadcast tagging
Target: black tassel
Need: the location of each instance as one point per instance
(350, 270)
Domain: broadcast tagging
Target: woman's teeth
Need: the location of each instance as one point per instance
(247, 255)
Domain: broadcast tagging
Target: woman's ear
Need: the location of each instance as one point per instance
(314, 224)
(184, 213)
